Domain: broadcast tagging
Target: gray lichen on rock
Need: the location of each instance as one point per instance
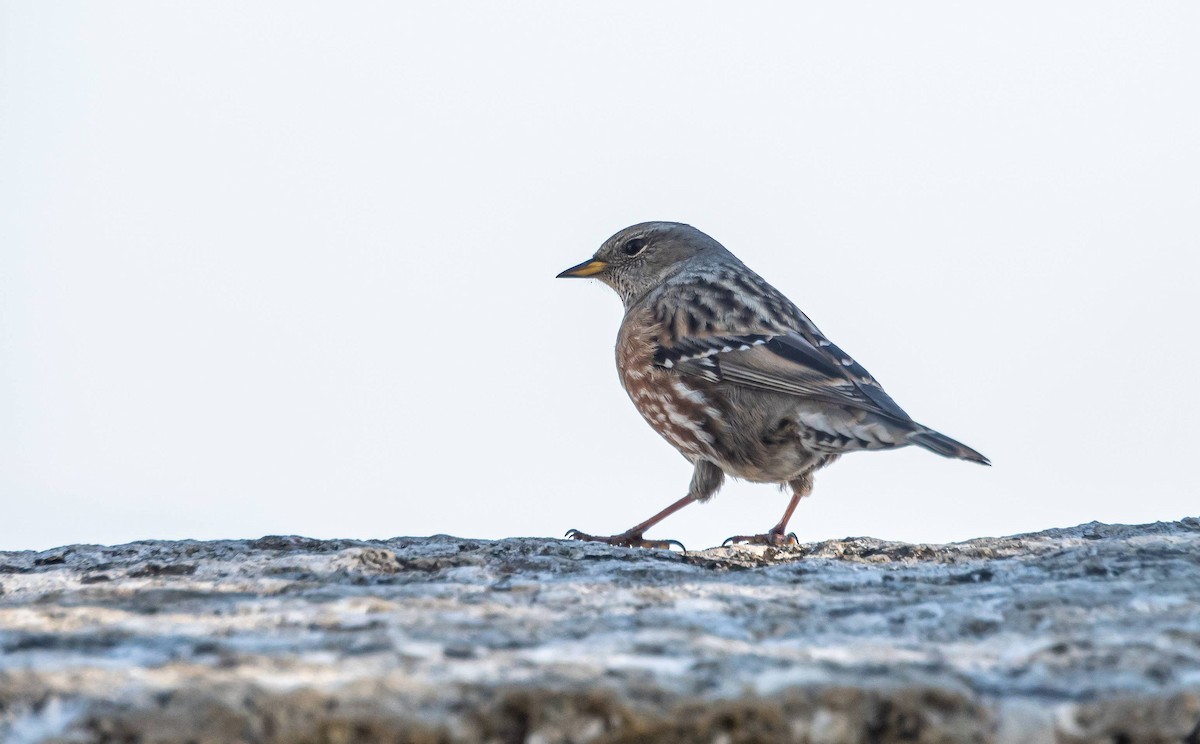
(1087, 634)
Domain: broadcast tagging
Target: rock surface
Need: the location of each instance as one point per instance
(1089, 634)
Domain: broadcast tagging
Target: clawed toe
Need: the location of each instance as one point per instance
(774, 539)
(625, 540)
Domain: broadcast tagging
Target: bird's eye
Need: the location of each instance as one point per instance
(633, 246)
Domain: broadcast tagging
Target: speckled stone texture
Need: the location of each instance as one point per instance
(1089, 634)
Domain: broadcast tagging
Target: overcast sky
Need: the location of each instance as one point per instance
(281, 267)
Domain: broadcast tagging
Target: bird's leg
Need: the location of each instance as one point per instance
(632, 537)
(778, 535)
(706, 481)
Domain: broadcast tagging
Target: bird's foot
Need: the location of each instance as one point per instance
(626, 540)
(774, 538)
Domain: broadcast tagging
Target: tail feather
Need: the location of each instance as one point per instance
(945, 446)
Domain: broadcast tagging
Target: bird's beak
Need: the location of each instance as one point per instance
(589, 267)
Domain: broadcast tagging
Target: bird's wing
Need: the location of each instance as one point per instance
(754, 336)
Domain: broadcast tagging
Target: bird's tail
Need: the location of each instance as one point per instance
(945, 446)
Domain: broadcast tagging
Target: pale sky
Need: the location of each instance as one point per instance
(280, 267)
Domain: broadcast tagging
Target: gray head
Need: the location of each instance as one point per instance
(643, 256)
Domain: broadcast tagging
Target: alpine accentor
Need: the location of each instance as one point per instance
(733, 375)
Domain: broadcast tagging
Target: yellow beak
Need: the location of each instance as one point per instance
(587, 268)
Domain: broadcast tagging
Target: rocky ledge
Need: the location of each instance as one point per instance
(1088, 634)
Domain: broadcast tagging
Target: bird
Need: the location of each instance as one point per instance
(733, 375)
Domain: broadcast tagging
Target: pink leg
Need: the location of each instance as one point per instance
(632, 537)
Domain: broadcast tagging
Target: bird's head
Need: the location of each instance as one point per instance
(641, 257)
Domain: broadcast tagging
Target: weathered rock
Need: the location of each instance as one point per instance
(1089, 634)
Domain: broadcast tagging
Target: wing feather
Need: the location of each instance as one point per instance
(756, 337)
